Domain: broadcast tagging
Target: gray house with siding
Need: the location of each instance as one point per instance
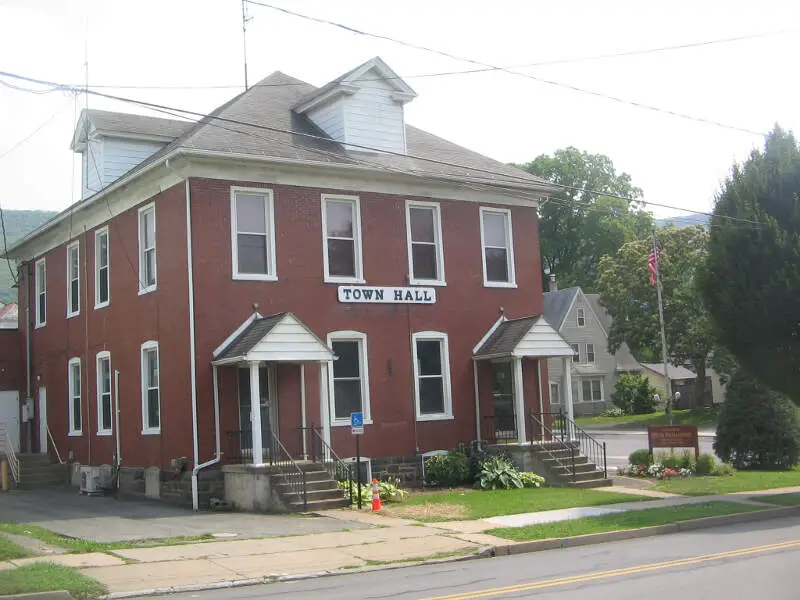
(584, 323)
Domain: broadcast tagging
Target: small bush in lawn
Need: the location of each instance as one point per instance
(706, 464)
(448, 470)
(723, 469)
(676, 460)
(499, 474)
(634, 394)
(641, 457)
(531, 480)
(390, 490)
(614, 411)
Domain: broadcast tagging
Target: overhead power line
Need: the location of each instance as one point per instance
(507, 70)
(506, 183)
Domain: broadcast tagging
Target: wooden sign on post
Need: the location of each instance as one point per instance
(673, 436)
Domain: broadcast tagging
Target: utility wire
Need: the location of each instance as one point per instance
(506, 70)
(506, 183)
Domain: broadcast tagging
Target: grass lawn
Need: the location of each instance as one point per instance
(679, 417)
(80, 546)
(780, 499)
(9, 549)
(476, 504)
(741, 481)
(629, 520)
(45, 577)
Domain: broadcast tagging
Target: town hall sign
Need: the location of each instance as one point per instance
(361, 294)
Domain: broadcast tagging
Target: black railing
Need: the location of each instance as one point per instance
(274, 454)
(316, 449)
(544, 426)
(559, 429)
(499, 428)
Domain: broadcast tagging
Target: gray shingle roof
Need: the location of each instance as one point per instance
(676, 373)
(124, 123)
(506, 337)
(556, 305)
(251, 335)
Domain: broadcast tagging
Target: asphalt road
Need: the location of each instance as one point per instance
(753, 560)
(619, 445)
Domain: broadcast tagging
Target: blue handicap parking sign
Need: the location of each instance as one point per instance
(356, 419)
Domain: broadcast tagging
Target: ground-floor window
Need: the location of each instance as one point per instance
(555, 393)
(349, 377)
(104, 426)
(592, 390)
(432, 376)
(74, 387)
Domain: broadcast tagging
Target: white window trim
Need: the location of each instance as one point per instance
(359, 263)
(363, 365)
(39, 321)
(557, 399)
(580, 313)
(146, 289)
(576, 348)
(269, 207)
(146, 430)
(512, 274)
(74, 431)
(76, 246)
(602, 390)
(448, 399)
(105, 354)
(594, 353)
(439, 243)
(97, 235)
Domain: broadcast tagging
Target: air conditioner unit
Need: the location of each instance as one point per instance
(94, 480)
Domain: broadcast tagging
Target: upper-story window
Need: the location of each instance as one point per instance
(590, 353)
(102, 282)
(151, 392)
(498, 248)
(341, 230)
(253, 234)
(41, 292)
(73, 280)
(581, 313)
(576, 352)
(74, 387)
(147, 249)
(425, 251)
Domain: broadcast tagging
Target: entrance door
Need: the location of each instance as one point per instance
(505, 426)
(266, 410)
(9, 416)
(43, 420)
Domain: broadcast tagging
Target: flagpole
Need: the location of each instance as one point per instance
(663, 331)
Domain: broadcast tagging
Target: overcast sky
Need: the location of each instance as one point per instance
(750, 84)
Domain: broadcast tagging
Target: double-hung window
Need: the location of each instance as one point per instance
(349, 376)
(102, 283)
(341, 232)
(497, 244)
(151, 397)
(581, 314)
(576, 352)
(104, 411)
(253, 234)
(73, 280)
(432, 376)
(590, 353)
(425, 250)
(592, 390)
(41, 292)
(74, 391)
(147, 249)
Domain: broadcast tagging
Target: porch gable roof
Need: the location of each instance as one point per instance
(279, 338)
(530, 337)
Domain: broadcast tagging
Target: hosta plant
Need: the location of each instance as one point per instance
(498, 473)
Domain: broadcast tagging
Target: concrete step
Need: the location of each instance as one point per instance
(310, 476)
(591, 483)
(585, 467)
(323, 484)
(584, 476)
(318, 505)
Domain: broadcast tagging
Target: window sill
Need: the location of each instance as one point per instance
(40, 325)
(75, 434)
(340, 280)
(151, 431)
(499, 284)
(102, 305)
(105, 433)
(442, 417)
(75, 314)
(431, 282)
(147, 290)
(253, 277)
(347, 423)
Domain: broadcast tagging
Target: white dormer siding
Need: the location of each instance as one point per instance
(330, 118)
(110, 158)
(92, 167)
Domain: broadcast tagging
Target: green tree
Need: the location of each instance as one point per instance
(625, 290)
(757, 427)
(752, 281)
(587, 218)
(634, 394)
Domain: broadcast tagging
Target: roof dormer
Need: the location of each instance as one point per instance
(362, 109)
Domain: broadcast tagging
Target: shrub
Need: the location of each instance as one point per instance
(448, 470)
(640, 457)
(673, 460)
(757, 427)
(634, 395)
(723, 469)
(531, 480)
(477, 456)
(614, 411)
(499, 473)
(706, 464)
(390, 490)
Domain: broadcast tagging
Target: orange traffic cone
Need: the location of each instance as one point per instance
(376, 497)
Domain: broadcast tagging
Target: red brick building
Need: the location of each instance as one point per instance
(300, 255)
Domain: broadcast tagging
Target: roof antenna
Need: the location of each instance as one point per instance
(245, 19)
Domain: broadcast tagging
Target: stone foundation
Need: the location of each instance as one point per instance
(172, 486)
(408, 469)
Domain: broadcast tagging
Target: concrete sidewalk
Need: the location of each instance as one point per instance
(366, 540)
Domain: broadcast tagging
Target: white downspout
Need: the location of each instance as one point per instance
(218, 456)
(192, 366)
(116, 424)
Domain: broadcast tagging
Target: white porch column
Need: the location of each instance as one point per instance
(303, 420)
(324, 404)
(567, 387)
(255, 414)
(519, 401)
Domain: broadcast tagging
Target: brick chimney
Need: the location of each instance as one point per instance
(553, 284)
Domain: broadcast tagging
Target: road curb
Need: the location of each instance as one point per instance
(630, 534)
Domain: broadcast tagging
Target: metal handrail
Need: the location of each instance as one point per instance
(337, 469)
(8, 449)
(592, 449)
(555, 440)
(52, 441)
(291, 471)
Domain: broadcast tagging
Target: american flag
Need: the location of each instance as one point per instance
(652, 264)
